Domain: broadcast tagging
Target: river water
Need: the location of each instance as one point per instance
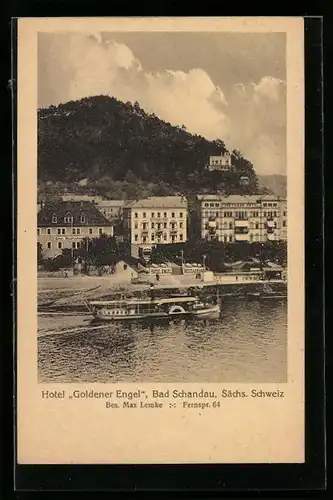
(247, 344)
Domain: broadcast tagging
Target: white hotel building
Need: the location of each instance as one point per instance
(253, 218)
(155, 220)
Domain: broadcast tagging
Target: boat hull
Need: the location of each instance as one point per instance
(207, 313)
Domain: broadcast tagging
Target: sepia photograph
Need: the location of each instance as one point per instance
(162, 207)
(160, 240)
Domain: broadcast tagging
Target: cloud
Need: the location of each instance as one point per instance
(248, 117)
(269, 88)
(258, 123)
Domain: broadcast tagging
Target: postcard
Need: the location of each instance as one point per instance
(160, 253)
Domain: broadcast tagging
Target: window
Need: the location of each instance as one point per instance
(136, 215)
(73, 244)
(54, 219)
(49, 245)
(78, 244)
(153, 237)
(265, 214)
(257, 225)
(48, 230)
(82, 219)
(217, 214)
(269, 204)
(135, 237)
(152, 225)
(180, 237)
(275, 225)
(284, 223)
(100, 230)
(152, 215)
(38, 231)
(144, 225)
(206, 204)
(63, 230)
(144, 239)
(230, 225)
(144, 215)
(158, 226)
(265, 204)
(165, 237)
(180, 214)
(211, 204)
(136, 225)
(158, 214)
(68, 218)
(73, 231)
(173, 214)
(165, 225)
(59, 230)
(59, 244)
(78, 231)
(217, 204)
(90, 230)
(181, 225)
(284, 214)
(165, 214)
(230, 238)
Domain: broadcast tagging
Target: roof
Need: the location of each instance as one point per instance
(75, 209)
(142, 301)
(80, 197)
(110, 203)
(274, 267)
(159, 202)
(240, 264)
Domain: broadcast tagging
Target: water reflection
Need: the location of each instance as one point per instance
(248, 343)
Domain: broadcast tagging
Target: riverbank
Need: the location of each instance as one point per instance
(73, 294)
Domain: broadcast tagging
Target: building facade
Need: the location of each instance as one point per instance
(253, 218)
(155, 220)
(65, 224)
(111, 209)
(221, 163)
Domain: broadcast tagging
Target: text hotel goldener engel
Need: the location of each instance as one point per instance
(158, 394)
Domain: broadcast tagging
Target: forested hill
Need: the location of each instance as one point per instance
(118, 149)
(276, 184)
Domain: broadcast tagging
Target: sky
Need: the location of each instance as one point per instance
(230, 86)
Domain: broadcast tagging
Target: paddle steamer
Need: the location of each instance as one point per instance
(137, 309)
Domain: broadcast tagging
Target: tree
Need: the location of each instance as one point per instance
(102, 251)
(102, 136)
(40, 258)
